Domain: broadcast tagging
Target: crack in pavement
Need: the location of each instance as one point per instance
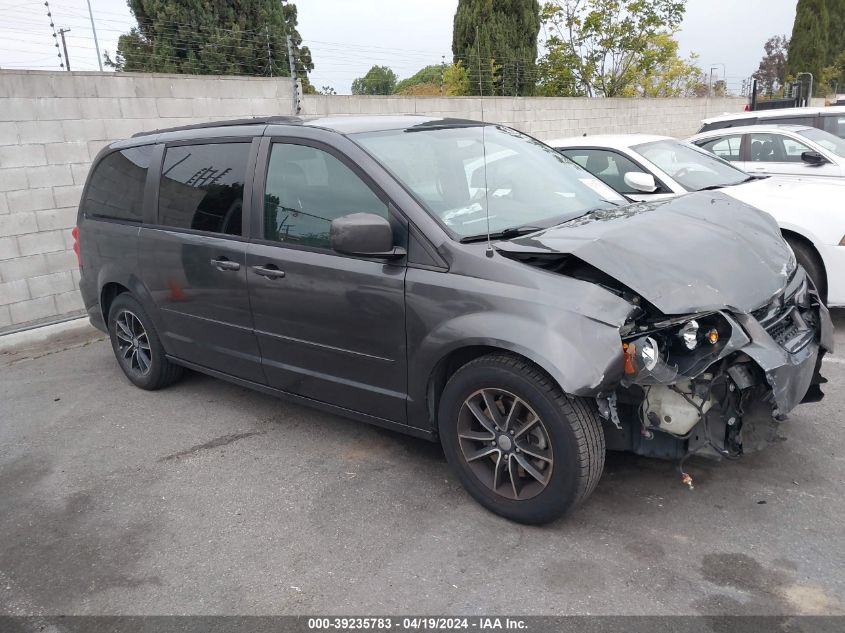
(216, 442)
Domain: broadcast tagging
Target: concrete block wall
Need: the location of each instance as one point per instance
(544, 117)
(52, 124)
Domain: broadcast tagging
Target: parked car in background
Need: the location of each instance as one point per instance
(808, 210)
(518, 311)
(772, 150)
(831, 119)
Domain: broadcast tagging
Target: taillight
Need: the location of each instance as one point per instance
(842, 241)
(75, 233)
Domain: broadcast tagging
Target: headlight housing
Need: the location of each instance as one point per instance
(661, 351)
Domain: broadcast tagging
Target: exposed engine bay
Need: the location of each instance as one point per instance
(716, 384)
(716, 349)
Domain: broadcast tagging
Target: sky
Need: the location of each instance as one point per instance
(347, 37)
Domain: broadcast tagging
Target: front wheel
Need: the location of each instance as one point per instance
(519, 445)
(811, 263)
(137, 347)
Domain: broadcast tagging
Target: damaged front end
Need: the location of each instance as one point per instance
(717, 383)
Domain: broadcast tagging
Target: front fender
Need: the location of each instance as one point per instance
(582, 355)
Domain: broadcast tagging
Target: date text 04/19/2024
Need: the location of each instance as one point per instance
(430, 623)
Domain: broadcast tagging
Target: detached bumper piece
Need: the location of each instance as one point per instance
(719, 383)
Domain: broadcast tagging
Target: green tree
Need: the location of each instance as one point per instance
(496, 41)
(771, 73)
(808, 48)
(833, 76)
(422, 81)
(379, 80)
(836, 32)
(603, 47)
(456, 80)
(662, 72)
(212, 38)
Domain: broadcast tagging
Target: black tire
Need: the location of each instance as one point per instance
(810, 261)
(571, 432)
(146, 366)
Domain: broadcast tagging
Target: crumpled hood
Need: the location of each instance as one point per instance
(702, 251)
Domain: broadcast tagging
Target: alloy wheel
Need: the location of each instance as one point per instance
(133, 344)
(505, 444)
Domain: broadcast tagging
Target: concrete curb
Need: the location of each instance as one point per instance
(76, 329)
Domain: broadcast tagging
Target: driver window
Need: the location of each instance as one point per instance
(306, 189)
(776, 148)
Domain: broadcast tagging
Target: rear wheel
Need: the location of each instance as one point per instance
(811, 262)
(137, 347)
(520, 446)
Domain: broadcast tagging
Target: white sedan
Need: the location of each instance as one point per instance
(808, 210)
(775, 150)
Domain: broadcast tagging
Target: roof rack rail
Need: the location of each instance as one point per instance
(230, 123)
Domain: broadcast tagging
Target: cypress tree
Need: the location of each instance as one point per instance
(208, 37)
(808, 48)
(836, 32)
(500, 36)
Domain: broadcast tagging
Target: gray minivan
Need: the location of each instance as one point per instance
(454, 280)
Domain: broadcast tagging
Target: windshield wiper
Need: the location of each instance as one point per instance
(714, 187)
(508, 233)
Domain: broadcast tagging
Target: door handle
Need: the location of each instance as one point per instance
(269, 271)
(225, 264)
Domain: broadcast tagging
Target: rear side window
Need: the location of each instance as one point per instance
(834, 124)
(116, 186)
(202, 187)
(727, 147)
(808, 121)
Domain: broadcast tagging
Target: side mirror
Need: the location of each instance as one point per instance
(640, 181)
(813, 158)
(364, 235)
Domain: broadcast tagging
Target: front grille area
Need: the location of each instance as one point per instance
(788, 323)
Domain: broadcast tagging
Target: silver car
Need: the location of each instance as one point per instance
(777, 150)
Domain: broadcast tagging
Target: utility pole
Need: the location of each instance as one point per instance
(291, 65)
(64, 47)
(96, 42)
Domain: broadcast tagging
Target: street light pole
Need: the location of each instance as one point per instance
(724, 76)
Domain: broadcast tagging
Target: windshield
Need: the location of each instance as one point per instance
(693, 168)
(831, 143)
(525, 182)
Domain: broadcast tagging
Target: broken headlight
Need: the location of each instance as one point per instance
(660, 351)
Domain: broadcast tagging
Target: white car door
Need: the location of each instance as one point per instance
(778, 154)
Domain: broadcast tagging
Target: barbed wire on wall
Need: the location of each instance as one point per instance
(338, 61)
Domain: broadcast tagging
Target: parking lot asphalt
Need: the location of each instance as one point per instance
(207, 498)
